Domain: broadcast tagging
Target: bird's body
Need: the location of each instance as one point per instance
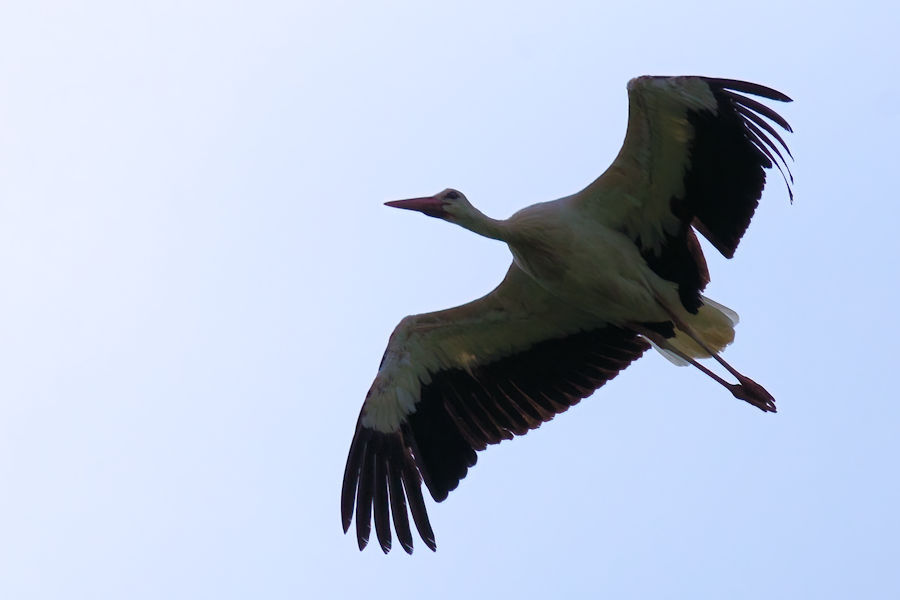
(583, 262)
(596, 278)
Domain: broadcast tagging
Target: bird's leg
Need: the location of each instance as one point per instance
(746, 389)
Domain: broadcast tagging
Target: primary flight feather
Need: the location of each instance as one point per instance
(596, 278)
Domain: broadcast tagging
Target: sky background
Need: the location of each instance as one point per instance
(198, 279)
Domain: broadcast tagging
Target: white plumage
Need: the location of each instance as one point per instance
(596, 278)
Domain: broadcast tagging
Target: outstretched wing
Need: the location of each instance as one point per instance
(454, 381)
(695, 155)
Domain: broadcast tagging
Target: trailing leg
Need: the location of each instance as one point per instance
(746, 389)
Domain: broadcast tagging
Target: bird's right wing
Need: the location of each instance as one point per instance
(454, 381)
(694, 156)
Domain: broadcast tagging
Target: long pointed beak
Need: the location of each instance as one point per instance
(430, 205)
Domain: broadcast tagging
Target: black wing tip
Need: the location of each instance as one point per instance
(377, 464)
(751, 112)
(747, 130)
(758, 107)
(362, 542)
(747, 87)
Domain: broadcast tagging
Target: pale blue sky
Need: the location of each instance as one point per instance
(198, 278)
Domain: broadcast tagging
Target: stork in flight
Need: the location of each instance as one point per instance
(596, 279)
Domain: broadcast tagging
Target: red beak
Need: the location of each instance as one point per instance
(431, 205)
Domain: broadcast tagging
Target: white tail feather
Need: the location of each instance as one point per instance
(669, 355)
(730, 314)
(714, 323)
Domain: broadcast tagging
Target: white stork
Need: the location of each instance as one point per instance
(596, 278)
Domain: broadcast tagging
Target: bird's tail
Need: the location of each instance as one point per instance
(713, 323)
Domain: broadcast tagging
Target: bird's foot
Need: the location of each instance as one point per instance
(750, 391)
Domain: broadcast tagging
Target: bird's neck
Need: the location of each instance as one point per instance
(476, 221)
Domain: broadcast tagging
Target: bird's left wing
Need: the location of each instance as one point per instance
(694, 157)
(454, 381)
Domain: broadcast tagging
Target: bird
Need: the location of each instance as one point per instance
(596, 279)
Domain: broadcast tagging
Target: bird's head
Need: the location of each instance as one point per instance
(450, 205)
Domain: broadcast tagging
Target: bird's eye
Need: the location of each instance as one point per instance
(454, 195)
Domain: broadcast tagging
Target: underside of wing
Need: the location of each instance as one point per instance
(467, 409)
(695, 157)
(456, 381)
